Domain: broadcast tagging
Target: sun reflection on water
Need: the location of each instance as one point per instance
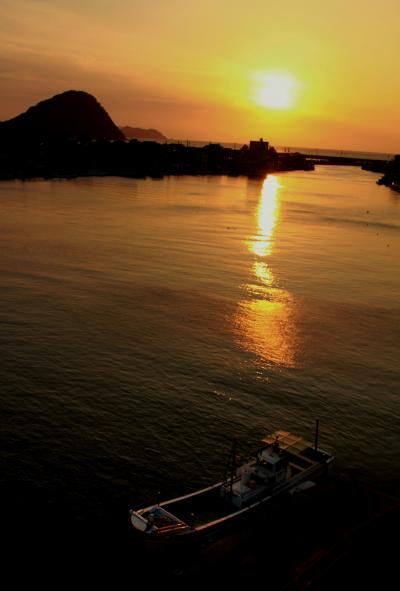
(265, 323)
(267, 329)
(267, 216)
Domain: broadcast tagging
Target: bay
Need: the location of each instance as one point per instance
(145, 322)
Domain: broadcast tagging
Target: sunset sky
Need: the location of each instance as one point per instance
(310, 73)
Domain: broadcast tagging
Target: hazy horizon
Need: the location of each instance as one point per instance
(239, 143)
(296, 75)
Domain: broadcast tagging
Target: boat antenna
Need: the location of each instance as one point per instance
(275, 445)
(316, 434)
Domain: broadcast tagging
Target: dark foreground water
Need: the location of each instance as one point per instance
(146, 322)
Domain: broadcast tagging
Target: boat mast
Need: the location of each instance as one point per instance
(233, 465)
(316, 434)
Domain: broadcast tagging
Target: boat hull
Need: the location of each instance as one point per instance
(231, 518)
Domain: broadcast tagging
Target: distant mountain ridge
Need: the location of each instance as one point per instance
(139, 133)
(71, 115)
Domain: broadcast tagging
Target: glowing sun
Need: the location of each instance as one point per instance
(275, 90)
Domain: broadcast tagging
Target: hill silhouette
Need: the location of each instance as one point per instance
(139, 133)
(72, 135)
(71, 115)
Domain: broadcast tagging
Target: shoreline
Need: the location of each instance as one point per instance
(144, 159)
(135, 159)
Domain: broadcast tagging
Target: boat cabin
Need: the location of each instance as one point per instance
(256, 477)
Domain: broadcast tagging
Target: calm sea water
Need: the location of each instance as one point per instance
(146, 322)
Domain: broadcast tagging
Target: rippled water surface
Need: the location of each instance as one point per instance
(146, 322)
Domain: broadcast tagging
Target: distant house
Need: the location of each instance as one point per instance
(259, 148)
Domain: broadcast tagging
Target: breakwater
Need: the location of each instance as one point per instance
(364, 163)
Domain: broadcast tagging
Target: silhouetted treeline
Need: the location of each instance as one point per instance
(68, 158)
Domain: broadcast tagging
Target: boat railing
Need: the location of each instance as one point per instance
(230, 481)
(171, 528)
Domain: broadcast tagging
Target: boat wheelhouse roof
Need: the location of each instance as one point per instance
(287, 441)
(301, 452)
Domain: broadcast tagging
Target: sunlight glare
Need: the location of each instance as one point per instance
(275, 90)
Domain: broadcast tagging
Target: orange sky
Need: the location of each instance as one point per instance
(191, 69)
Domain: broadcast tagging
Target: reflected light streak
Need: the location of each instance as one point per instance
(266, 328)
(264, 323)
(267, 217)
(264, 273)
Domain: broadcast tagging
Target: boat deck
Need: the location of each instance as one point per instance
(281, 465)
(207, 507)
(201, 509)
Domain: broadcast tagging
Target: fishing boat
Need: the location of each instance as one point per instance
(284, 463)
